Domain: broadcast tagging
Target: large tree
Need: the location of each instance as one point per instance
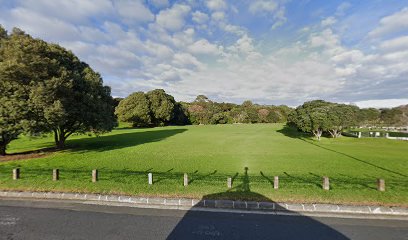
(311, 117)
(341, 116)
(320, 116)
(135, 109)
(13, 102)
(162, 106)
(64, 95)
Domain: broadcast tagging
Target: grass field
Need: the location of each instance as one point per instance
(210, 154)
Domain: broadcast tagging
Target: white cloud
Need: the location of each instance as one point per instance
(263, 6)
(396, 22)
(328, 21)
(383, 103)
(275, 8)
(218, 16)
(395, 44)
(133, 11)
(202, 46)
(229, 63)
(200, 17)
(70, 10)
(216, 4)
(173, 19)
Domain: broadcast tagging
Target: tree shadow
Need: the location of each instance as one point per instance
(200, 177)
(118, 141)
(199, 223)
(315, 182)
(270, 180)
(293, 133)
(163, 176)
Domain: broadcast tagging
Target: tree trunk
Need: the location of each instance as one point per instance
(59, 137)
(2, 150)
(317, 134)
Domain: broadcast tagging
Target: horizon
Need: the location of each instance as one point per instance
(274, 52)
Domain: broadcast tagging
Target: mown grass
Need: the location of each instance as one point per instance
(210, 154)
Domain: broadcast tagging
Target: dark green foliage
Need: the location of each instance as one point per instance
(162, 107)
(135, 109)
(62, 94)
(155, 108)
(368, 116)
(319, 116)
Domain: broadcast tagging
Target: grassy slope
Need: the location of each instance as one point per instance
(210, 154)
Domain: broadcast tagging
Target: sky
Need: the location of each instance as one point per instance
(267, 51)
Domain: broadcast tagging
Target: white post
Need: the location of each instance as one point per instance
(229, 182)
(185, 179)
(150, 176)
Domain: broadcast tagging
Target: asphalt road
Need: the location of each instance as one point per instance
(66, 220)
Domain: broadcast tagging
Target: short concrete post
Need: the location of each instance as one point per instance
(326, 183)
(150, 177)
(359, 135)
(185, 183)
(16, 173)
(276, 182)
(229, 182)
(381, 185)
(55, 174)
(94, 175)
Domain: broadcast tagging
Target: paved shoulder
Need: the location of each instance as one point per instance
(67, 220)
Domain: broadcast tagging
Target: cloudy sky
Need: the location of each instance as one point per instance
(268, 51)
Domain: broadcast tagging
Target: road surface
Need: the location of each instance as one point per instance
(67, 220)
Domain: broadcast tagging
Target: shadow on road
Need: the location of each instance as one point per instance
(198, 224)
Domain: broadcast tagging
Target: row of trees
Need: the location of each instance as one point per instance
(45, 88)
(319, 116)
(397, 116)
(157, 108)
(205, 111)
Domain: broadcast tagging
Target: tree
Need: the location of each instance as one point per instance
(251, 111)
(162, 106)
(135, 109)
(340, 117)
(219, 118)
(65, 95)
(13, 99)
(311, 117)
(263, 115)
(368, 116)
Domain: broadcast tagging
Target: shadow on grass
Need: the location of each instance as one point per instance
(118, 141)
(197, 224)
(315, 181)
(201, 177)
(293, 133)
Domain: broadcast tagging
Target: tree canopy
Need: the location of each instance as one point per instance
(320, 116)
(61, 94)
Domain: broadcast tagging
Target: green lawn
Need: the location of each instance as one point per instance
(210, 154)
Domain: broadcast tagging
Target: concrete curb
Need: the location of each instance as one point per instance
(183, 203)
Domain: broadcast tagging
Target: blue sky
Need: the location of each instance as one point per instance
(267, 51)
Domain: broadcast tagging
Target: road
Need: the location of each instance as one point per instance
(67, 220)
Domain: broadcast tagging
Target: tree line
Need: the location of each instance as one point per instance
(47, 89)
(157, 108)
(318, 117)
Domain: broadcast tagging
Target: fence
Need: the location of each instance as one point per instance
(388, 135)
(286, 180)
